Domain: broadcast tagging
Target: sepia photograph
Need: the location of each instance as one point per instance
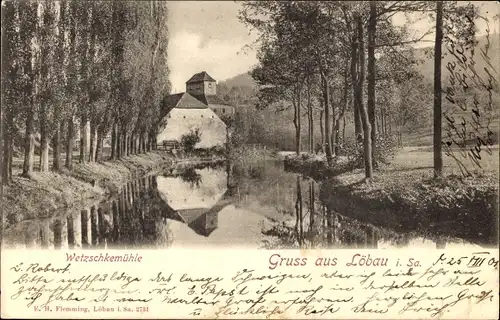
(249, 124)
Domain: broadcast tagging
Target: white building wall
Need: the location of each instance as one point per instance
(182, 121)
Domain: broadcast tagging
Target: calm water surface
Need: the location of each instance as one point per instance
(252, 206)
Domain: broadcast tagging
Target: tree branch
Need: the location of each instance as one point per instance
(401, 43)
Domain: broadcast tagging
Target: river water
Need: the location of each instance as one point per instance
(253, 206)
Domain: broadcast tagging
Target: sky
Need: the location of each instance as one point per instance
(207, 36)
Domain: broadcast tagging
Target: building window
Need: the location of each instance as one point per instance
(184, 117)
(202, 116)
(223, 110)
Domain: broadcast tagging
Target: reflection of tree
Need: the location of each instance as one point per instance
(192, 177)
(140, 216)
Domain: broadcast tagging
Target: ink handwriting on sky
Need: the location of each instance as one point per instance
(468, 134)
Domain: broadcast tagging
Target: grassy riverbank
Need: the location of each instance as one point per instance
(404, 197)
(46, 192)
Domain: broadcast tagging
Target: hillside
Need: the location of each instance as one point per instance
(427, 67)
(242, 86)
(241, 80)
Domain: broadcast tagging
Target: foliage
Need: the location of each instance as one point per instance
(192, 177)
(189, 140)
(236, 95)
(104, 62)
(386, 150)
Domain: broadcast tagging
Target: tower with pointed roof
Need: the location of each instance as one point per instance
(198, 108)
(201, 84)
(204, 88)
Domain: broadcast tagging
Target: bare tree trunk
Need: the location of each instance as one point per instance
(310, 125)
(118, 144)
(310, 118)
(379, 122)
(296, 123)
(69, 144)
(44, 140)
(364, 111)
(383, 123)
(98, 147)
(438, 157)
(336, 136)
(311, 142)
(44, 150)
(124, 144)
(126, 138)
(113, 143)
(329, 225)
(326, 95)
(83, 140)
(148, 143)
(343, 129)
(134, 143)
(29, 145)
(93, 140)
(333, 131)
(7, 155)
(372, 25)
(321, 128)
(141, 142)
(312, 213)
(56, 147)
(298, 212)
(354, 79)
(301, 212)
(131, 144)
(345, 94)
(155, 141)
(128, 145)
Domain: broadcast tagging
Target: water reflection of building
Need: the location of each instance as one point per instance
(195, 197)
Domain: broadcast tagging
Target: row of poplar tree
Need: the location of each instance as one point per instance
(70, 65)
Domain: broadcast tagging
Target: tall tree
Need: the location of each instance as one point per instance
(367, 154)
(60, 56)
(28, 16)
(11, 99)
(372, 25)
(72, 81)
(354, 73)
(47, 86)
(438, 158)
(326, 101)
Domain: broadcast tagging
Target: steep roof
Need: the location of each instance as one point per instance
(181, 101)
(210, 99)
(171, 100)
(200, 77)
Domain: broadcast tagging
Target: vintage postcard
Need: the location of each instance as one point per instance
(250, 159)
